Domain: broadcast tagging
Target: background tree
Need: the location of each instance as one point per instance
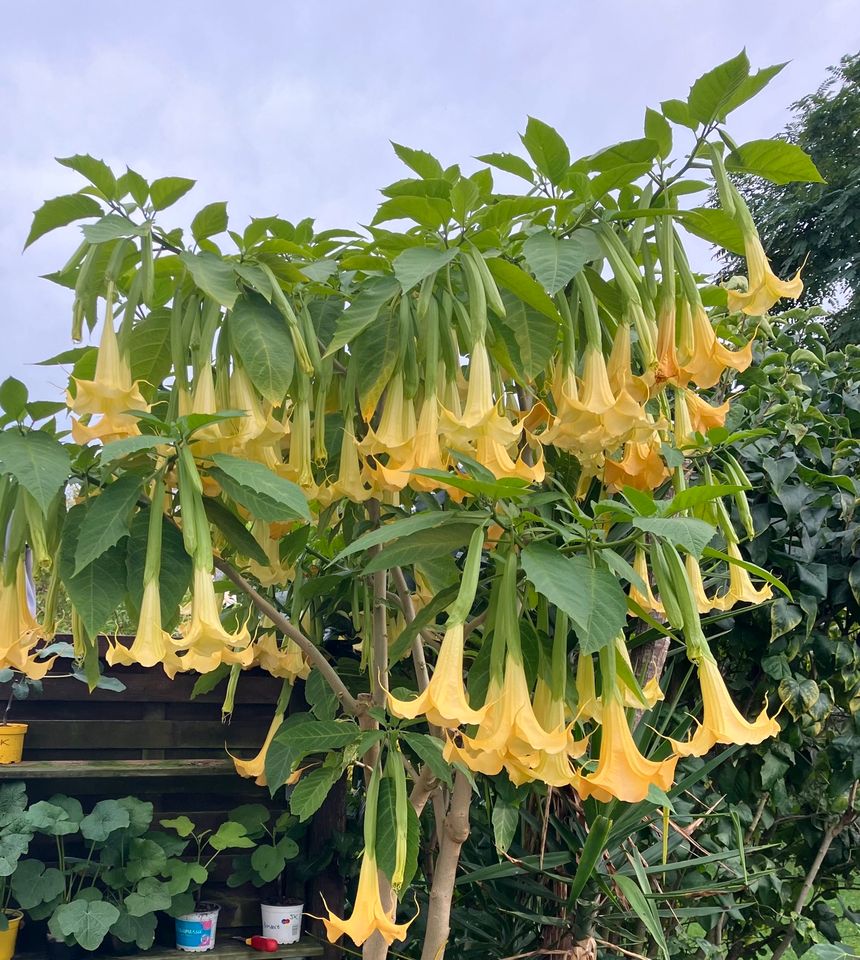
(816, 225)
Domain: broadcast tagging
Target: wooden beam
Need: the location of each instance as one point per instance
(80, 769)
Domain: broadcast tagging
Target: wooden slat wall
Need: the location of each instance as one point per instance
(155, 718)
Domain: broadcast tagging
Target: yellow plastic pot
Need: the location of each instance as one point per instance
(11, 746)
(10, 934)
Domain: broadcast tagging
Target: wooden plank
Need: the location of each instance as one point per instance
(61, 769)
(95, 735)
(255, 687)
(221, 951)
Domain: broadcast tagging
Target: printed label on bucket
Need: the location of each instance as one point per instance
(282, 923)
(196, 934)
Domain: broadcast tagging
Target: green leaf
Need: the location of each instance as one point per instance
(97, 590)
(174, 575)
(260, 337)
(416, 263)
(751, 86)
(520, 284)
(622, 154)
(592, 850)
(231, 835)
(13, 397)
(555, 262)
(149, 349)
(209, 221)
(510, 163)
(784, 617)
(678, 112)
(310, 792)
(406, 526)
(214, 276)
(711, 93)
(13, 846)
(268, 862)
(126, 447)
(51, 819)
(854, 580)
(687, 532)
(658, 129)
(87, 921)
(529, 336)
(105, 817)
(363, 310)
(107, 519)
(506, 818)
(305, 735)
(263, 492)
(421, 546)
(386, 834)
(693, 496)
(423, 163)
(618, 177)
(799, 695)
(424, 618)
(137, 930)
(775, 160)
(32, 884)
(429, 212)
(591, 597)
(750, 568)
(97, 172)
(547, 149)
(237, 534)
(715, 226)
(375, 352)
(111, 227)
(146, 858)
(61, 211)
(37, 461)
(643, 909)
(131, 182)
(182, 825)
(165, 191)
(429, 749)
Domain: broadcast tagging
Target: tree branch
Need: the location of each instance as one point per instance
(310, 649)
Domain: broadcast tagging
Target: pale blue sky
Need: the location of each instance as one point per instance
(287, 108)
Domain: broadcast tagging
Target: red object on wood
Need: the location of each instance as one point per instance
(263, 944)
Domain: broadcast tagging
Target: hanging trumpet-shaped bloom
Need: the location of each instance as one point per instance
(299, 467)
(349, 482)
(595, 421)
(285, 661)
(207, 644)
(20, 633)
(445, 702)
(667, 355)
(619, 367)
(764, 288)
(396, 430)
(257, 435)
(641, 467)
(703, 416)
(741, 589)
(722, 721)
(152, 644)
(256, 766)
(704, 603)
(589, 705)
(648, 602)
(701, 356)
(274, 572)
(496, 459)
(622, 772)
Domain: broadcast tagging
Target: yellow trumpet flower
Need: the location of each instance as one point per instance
(741, 589)
(495, 458)
(722, 722)
(445, 702)
(667, 355)
(349, 482)
(256, 766)
(285, 661)
(648, 602)
(205, 641)
(19, 630)
(641, 467)
(764, 288)
(619, 367)
(622, 772)
(704, 604)
(703, 416)
(590, 707)
(396, 430)
(257, 435)
(152, 644)
(299, 467)
(702, 358)
(274, 572)
(369, 916)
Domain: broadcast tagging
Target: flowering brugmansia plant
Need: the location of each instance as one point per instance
(496, 417)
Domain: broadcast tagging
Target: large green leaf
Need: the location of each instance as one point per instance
(547, 149)
(107, 519)
(37, 461)
(362, 311)
(310, 792)
(643, 909)
(406, 526)
(165, 191)
(421, 546)
(715, 226)
(209, 221)
(105, 817)
(687, 532)
(416, 263)
(429, 212)
(263, 492)
(96, 171)
(775, 160)
(61, 211)
(622, 154)
(98, 589)
(260, 337)
(590, 596)
(520, 284)
(174, 575)
(555, 261)
(238, 535)
(13, 397)
(429, 749)
(149, 349)
(86, 921)
(376, 351)
(510, 163)
(529, 336)
(137, 930)
(33, 884)
(713, 91)
(423, 163)
(214, 276)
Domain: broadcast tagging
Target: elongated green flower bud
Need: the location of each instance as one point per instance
(666, 586)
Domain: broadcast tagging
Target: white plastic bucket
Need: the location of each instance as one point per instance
(195, 932)
(282, 922)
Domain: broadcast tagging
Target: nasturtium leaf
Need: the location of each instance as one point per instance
(137, 930)
(37, 461)
(61, 211)
(33, 884)
(263, 343)
(146, 858)
(87, 921)
(105, 817)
